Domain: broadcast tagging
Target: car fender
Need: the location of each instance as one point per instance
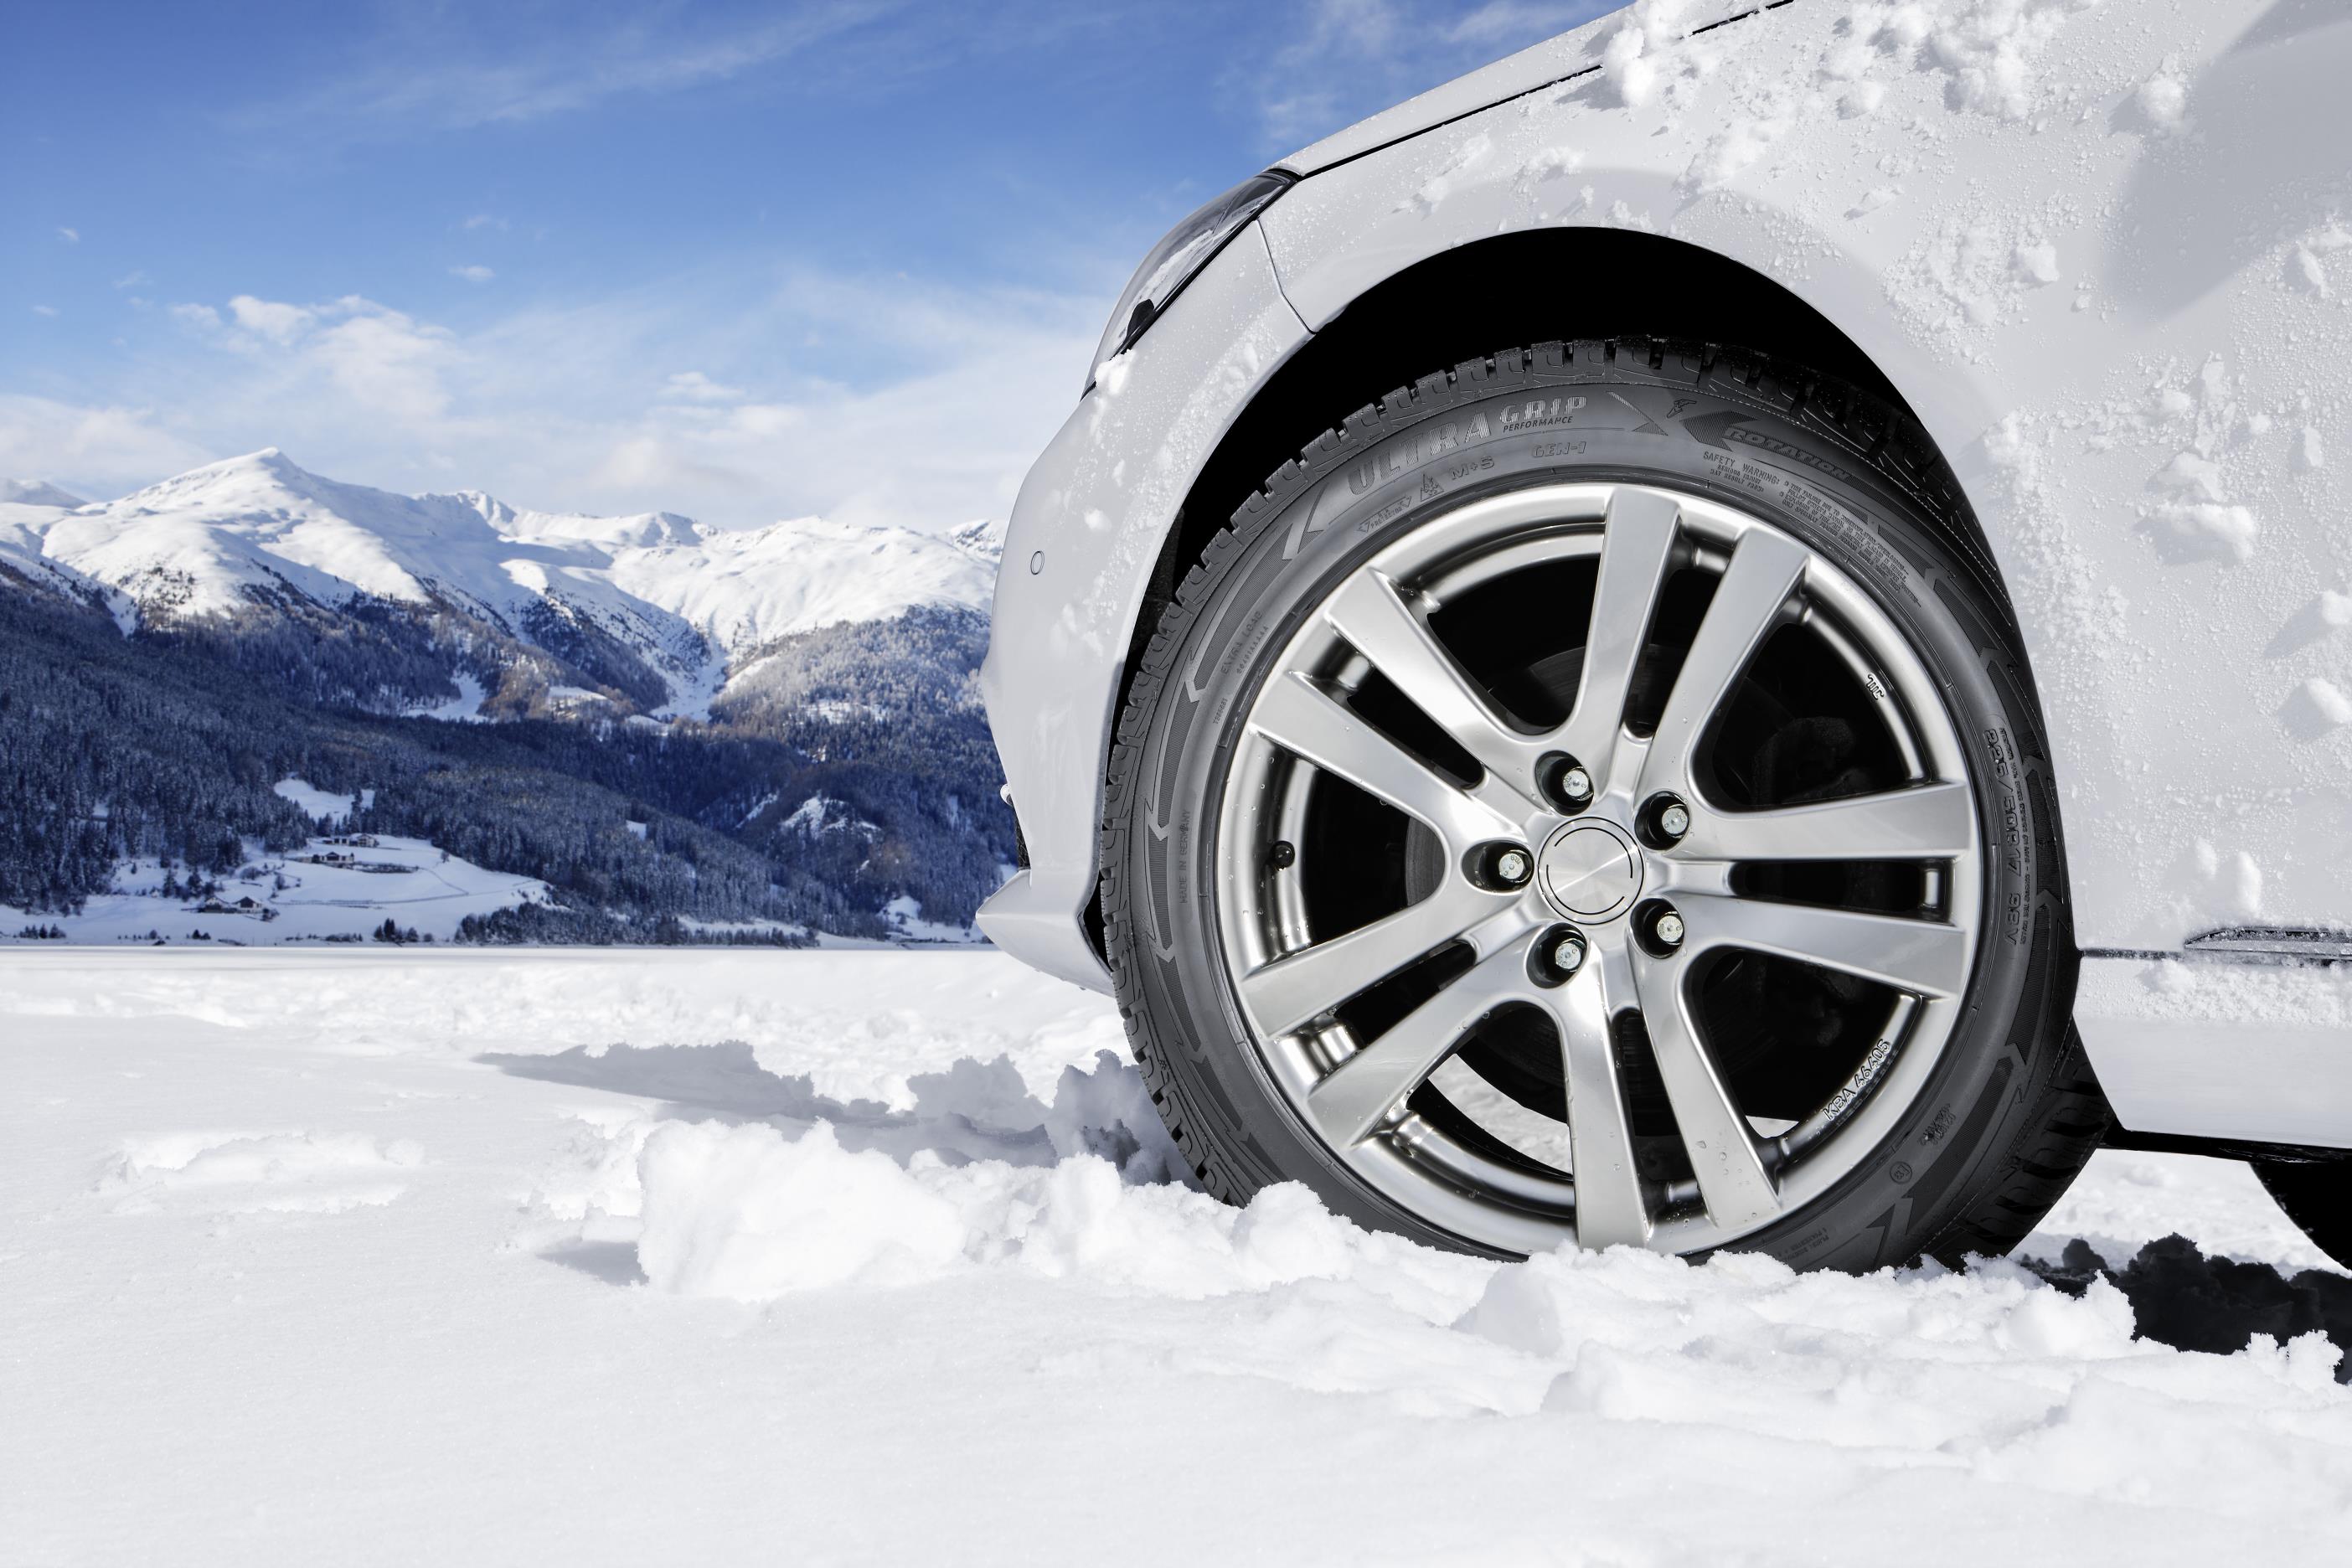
(1085, 532)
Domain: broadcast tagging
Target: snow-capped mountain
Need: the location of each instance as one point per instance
(465, 593)
(250, 622)
(37, 492)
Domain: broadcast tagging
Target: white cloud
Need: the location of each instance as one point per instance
(473, 274)
(483, 220)
(925, 407)
(386, 362)
(99, 451)
(459, 85)
(697, 387)
(44, 309)
(132, 279)
(365, 360)
(279, 323)
(71, 235)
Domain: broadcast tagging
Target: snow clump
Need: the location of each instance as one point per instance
(1630, 61)
(1991, 50)
(2163, 98)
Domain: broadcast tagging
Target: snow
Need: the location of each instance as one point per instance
(618, 1257)
(466, 708)
(412, 883)
(1990, 51)
(839, 711)
(748, 588)
(2317, 706)
(905, 916)
(2164, 97)
(327, 809)
(23, 527)
(821, 814)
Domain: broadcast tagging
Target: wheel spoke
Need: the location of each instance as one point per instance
(1926, 822)
(1635, 552)
(1749, 599)
(1370, 612)
(1609, 1206)
(1302, 717)
(1723, 1152)
(1288, 991)
(1358, 1093)
(1925, 957)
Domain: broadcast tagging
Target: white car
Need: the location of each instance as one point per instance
(1733, 631)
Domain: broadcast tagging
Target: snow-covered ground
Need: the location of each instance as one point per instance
(332, 889)
(337, 1254)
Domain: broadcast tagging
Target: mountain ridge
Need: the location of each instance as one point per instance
(649, 610)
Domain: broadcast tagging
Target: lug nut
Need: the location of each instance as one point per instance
(1668, 930)
(1567, 955)
(1675, 821)
(1511, 868)
(1576, 785)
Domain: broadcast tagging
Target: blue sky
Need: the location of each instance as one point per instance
(742, 261)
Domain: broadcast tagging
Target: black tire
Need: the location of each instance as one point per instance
(2317, 1195)
(2011, 1112)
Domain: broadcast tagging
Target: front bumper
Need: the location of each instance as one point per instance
(1079, 553)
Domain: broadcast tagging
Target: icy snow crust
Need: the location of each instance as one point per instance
(873, 1257)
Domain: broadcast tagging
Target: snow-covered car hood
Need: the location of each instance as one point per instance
(1587, 48)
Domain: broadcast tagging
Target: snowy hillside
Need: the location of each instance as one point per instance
(873, 1257)
(669, 697)
(24, 530)
(650, 611)
(339, 886)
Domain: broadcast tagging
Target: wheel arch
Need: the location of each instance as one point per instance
(1443, 309)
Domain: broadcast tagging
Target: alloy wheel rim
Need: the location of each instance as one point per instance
(1377, 1026)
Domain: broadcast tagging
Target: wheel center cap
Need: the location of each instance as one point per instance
(1590, 870)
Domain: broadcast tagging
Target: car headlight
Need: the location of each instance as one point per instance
(1177, 259)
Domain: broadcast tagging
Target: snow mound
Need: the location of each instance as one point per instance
(742, 1213)
(259, 1173)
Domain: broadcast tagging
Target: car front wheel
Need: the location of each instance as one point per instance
(1598, 795)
